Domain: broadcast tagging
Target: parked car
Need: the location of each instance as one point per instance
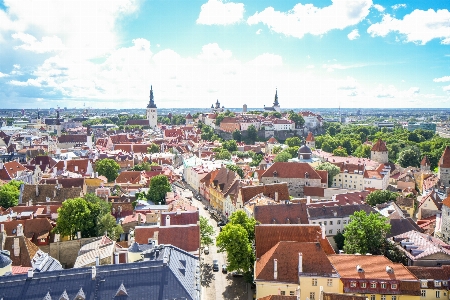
(221, 223)
(215, 265)
(237, 274)
(206, 250)
(224, 269)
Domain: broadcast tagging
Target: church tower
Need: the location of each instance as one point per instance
(276, 104)
(152, 114)
(58, 124)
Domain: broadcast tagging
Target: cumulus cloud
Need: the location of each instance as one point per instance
(214, 52)
(3, 75)
(378, 7)
(418, 27)
(442, 79)
(397, 6)
(303, 19)
(218, 12)
(30, 43)
(353, 35)
(348, 83)
(29, 82)
(267, 59)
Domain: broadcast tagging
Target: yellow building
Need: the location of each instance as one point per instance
(375, 277)
(434, 282)
(292, 268)
(219, 187)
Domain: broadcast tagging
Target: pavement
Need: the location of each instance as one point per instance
(216, 285)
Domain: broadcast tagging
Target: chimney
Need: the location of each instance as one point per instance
(48, 211)
(167, 220)
(139, 219)
(300, 262)
(30, 273)
(19, 230)
(275, 269)
(2, 227)
(323, 231)
(308, 200)
(276, 196)
(37, 190)
(116, 258)
(94, 272)
(1, 165)
(97, 261)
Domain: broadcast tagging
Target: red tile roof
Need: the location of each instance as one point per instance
(310, 137)
(291, 170)
(444, 162)
(379, 146)
(180, 217)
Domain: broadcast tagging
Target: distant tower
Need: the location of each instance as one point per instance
(38, 120)
(244, 108)
(444, 167)
(379, 152)
(152, 114)
(276, 104)
(310, 141)
(425, 164)
(58, 124)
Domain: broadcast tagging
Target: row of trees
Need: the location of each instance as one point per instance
(405, 147)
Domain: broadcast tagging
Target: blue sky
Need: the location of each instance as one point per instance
(359, 53)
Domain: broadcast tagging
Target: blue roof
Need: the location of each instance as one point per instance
(153, 279)
(4, 260)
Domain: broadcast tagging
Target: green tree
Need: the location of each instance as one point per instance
(107, 225)
(73, 216)
(293, 141)
(380, 196)
(154, 148)
(159, 186)
(409, 158)
(362, 151)
(230, 145)
(298, 119)
(252, 134)
(108, 168)
(237, 135)
(365, 233)
(283, 156)
(331, 169)
(220, 118)
(339, 239)
(340, 152)
(276, 149)
(9, 194)
(236, 238)
(223, 154)
(98, 207)
(206, 232)
(144, 166)
(236, 169)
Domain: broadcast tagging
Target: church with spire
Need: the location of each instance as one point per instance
(152, 113)
(275, 106)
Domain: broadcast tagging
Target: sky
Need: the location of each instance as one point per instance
(315, 53)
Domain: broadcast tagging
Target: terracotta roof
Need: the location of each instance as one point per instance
(65, 182)
(281, 214)
(272, 140)
(185, 237)
(291, 170)
(310, 137)
(425, 245)
(268, 190)
(379, 146)
(337, 211)
(313, 191)
(180, 217)
(314, 261)
(268, 235)
(25, 252)
(224, 179)
(133, 177)
(425, 161)
(431, 273)
(335, 296)
(49, 191)
(10, 170)
(444, 162)
(72, 138)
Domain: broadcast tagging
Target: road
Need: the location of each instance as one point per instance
(216, 285)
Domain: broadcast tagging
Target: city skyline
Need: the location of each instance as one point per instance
(356, 54)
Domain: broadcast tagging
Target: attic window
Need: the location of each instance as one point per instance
(424, 283)
(64, 296)
(353, 284)
(437, 283)
(80, 295)
(394, 286)
(121, 291)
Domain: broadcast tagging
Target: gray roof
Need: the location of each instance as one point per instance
(42, 262)
(4, 259)
(176, 278)
(338, 211)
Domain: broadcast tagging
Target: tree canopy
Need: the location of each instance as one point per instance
(159, 186)
(238, 170)
(154, 148)
(230, 145)
(252, 134)
(380, 196)
(409, 157)
(223, 154)
(108, 168)
(283, 156)
(9, 194)
(206, 232)
(331, 169)
(298, 119)
(365, 233)
(293, 141)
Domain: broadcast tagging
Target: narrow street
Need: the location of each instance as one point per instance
(217, 285)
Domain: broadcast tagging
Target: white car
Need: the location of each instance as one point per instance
(206, 250)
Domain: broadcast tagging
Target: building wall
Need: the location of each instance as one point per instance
(378, 156)
(229, 127)
(351, 181)
(431, 294)
(66, 252)
(444, 175)
(295, 185)
(266, 288)
(307, 287)
(332, 225)
(152, 117)
(445, 227)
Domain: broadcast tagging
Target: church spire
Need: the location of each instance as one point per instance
(58, 122)
(275, 102)
(151, 103)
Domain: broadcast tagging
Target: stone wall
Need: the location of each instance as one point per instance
(66, 252)
(295, 185)
(444, 176)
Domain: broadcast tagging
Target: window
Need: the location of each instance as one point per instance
(344, 222)
(291, 293)
(393, 297)
(394, 286)
(383, 285)
(314, 281)
(330, 231)
(437, 283)
(383, 297)
(438, 294)
(423, 293)
(312, 296)
(423, 283)
(372, 297)
(331, 222)
(373, 285)
(339, 222)
(363, 285)
(324, 222)
(329, 282)
(353, 284)
(282, 293)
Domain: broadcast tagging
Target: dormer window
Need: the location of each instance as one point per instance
(437, 283)
(353, 284)
(424, 283)
(383, 285)
(373, 285)
(363, 285)
(394, 286)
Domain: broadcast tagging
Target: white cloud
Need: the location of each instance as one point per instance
(391, 91)
(310, 66)
(29, 82)
(218, 12)
(397, 6)
(378, 7)
(419, 26)
(353, 35)
(267, 59)
(348, 83)
(3, 75)
(303, 19)
(30, 43)
(446, 88)
(258, 31)
(442, 79)
(213, 52)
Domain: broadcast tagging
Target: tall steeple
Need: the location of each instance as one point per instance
(275, 102)
(58, 124)
(151, 103)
